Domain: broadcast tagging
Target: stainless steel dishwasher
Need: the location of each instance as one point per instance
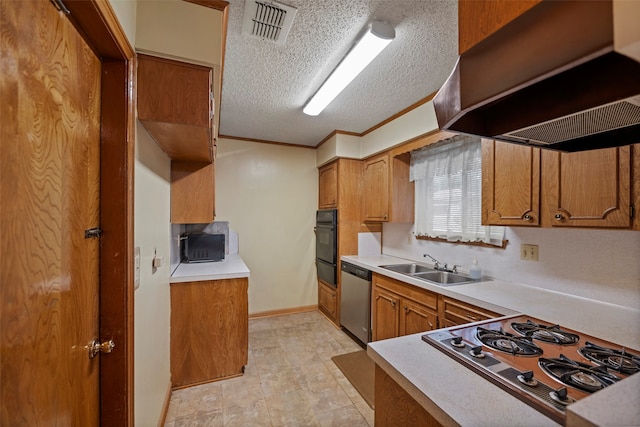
(355, 301)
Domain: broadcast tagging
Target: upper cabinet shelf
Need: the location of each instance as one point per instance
(175, 105)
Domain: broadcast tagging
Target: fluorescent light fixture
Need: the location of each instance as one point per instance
(378, 36)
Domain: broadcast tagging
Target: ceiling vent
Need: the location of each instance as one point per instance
(267, 20)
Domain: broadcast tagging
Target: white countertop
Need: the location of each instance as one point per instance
(454, 394)
(232, 267)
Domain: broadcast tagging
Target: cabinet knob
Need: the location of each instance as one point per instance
(385, 216)
(528, 217)
(393, 303)
(558, 217)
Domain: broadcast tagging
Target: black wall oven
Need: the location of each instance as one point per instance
(327, 245)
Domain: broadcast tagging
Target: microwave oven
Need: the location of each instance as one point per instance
(202, 247)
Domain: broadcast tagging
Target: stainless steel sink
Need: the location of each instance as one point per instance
(408, 268)
(444, 278)
(429, 274)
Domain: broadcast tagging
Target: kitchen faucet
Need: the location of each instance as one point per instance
(442, 267)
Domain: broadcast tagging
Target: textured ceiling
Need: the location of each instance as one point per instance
(265, 86)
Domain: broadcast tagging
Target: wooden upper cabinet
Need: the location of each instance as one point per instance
(388, 193)
(328, 186)
(477, 19)
(588, 188)
(510, 184)
(175, 105)
(192, 192)
(376, 188)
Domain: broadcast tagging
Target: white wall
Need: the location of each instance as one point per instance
(152, 299)
(597, 264)
(269, 195)
(179, 29)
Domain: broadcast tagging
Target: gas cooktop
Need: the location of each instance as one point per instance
(544, 365)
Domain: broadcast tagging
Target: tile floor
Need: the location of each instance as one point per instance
(290, 380)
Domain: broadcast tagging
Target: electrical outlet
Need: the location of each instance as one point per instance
(529, 252)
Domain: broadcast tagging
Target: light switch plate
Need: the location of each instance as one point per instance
(529, 252)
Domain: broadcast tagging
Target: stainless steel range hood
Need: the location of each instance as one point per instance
(565, 75)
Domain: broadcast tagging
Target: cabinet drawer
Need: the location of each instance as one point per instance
(422, 296)
(460, 313)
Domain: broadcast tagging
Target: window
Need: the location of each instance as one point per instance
(448, 192)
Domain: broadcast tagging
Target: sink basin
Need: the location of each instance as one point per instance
(429, 274)
(408, 268)
(443, 278)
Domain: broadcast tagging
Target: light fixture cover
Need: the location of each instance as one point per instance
(378, 36)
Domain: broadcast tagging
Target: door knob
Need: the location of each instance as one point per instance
(96, 347)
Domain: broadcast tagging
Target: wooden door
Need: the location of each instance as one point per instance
(588, 188)
(385, 314)
(416, 318)
(50, 82)
(510, 184)
(376, 188)
(328, 186)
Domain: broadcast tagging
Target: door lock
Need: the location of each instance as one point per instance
(96, 347)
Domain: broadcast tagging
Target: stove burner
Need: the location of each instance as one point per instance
(546, 333)
(617, 360)
(508, 343)
(579, 375)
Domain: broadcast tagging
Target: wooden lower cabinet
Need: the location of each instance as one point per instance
(395, 407)
(452, 312)
(401, 309)
(209, 330)
(328, 300)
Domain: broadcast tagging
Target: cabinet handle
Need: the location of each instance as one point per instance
(471, 317)
(385, 216)
(405, 308)
(430, 324)
(528, 217)
(393, 304)
(558, 217)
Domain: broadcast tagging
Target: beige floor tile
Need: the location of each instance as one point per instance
(326, 397)
(278, 382)
(204, 419)
(290, 409)
(366, 411)
(255, 414)
(289, 380)
(204, 398)
(347, 416)
(241, 392)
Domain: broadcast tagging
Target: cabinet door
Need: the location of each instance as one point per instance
(209, 330)
(376, 188)
(588, 188)
(385, 314)
(192, 192)
(328, 186)
(510, 184)
(416, 318)
(327, 300)
(175, 105)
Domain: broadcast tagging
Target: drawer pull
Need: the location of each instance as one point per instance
(471, 317)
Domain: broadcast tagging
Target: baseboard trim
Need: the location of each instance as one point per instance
(280, 312)
(165, 407)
